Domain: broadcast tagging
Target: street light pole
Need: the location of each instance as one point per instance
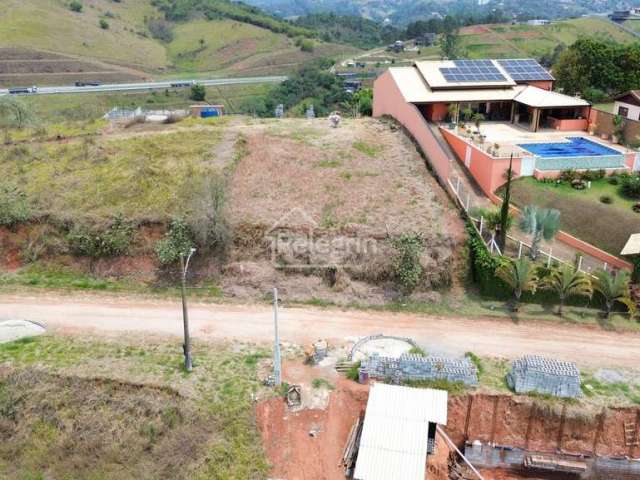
(184, 265)
(277, 366)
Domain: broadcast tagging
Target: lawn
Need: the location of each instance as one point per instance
(149, 176)
(93, 409)
(582, 213)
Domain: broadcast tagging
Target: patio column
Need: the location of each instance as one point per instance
(513, 112)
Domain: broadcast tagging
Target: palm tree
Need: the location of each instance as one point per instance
(614, 288)
(567, 281)
(540, 223)
(520, 275)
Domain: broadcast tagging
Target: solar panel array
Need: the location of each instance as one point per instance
(525, 70)
(472, 71)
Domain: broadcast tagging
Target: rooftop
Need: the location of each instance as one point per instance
(395, 433)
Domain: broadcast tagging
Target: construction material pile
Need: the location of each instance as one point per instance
(417, 367)
(545, 375)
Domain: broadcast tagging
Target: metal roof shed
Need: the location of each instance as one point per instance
(395, 434)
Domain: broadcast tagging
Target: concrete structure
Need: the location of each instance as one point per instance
(628, 105)
(417, 367)
(546, 376)
(399, 427)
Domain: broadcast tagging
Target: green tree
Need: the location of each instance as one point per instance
(519, 275)
(14, 206)
(75, 6)
(14, 113)
(104, 24)
(450, 47)
(614, 289)
(198, 93)
(567, 281)
(539, 223)
(177, 241)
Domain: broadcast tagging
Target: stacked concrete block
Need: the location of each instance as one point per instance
(545, 375)
(417, 367)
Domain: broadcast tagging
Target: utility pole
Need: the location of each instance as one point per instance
(277, 373)
(186, 347)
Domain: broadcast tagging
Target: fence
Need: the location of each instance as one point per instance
(469, 201)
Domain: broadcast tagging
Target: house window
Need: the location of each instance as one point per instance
(624, 111)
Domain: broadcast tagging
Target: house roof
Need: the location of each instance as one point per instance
(632, 247)
(395, 433)
(414, 89)
(632, 96)
(540, 98)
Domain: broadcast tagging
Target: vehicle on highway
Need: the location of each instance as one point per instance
(23, 90)
(88, 84)
(188, 83)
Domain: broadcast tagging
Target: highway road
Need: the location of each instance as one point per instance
(119, 87)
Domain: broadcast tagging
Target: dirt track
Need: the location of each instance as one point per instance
(451, 335)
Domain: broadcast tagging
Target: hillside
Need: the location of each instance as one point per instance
(117, 41)
(401, 12)
(504, 41)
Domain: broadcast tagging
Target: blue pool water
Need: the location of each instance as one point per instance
(575, 147)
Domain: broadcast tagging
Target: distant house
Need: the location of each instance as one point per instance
(397, 46)
(538, 22)
(628, 105)
(426, 39)
(624, 15)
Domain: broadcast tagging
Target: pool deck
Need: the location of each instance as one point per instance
(509, 136)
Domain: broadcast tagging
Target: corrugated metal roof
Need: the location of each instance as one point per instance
(394, 437)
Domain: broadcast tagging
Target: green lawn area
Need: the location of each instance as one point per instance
(146, 176)
(503, 41)
(85, 408)
(582, 213)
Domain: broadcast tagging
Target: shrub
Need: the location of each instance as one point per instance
(307, 45)
(578, 184)
(103, 24)
(14, 206)
(592, 175)
(111, 242)
(407, 267)
(568, 175)
(613, 180)
(630, 186)
(354, 372)
(177, 241)
(75, 6)
(160, 29)
(636, 208)
(198, 93)
(606, 199)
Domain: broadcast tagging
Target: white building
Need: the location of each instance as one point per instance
(399, 432)
(628, 105)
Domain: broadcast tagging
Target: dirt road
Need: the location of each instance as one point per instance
(447, 335)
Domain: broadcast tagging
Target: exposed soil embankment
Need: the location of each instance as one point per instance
(523, 423)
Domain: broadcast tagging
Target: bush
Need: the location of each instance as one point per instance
(307, 45)
(407, 267)
(592, 175)
(177, 241)
(75, 6)
(578, 184)
(630, 186)
(613, 180)
(14, 206)
(104, 24)
(568, 175)
(636, 208)
(606, 199)
(198, 93)
(111, 242)
(160, 29)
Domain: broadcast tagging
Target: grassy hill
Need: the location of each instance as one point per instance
(48, 34)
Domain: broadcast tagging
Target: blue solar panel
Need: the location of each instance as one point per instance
(525, 70)
(472, 71)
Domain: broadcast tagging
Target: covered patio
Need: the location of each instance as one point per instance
(535, 109)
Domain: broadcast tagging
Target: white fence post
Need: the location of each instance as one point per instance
(481, 224)
(520, 249)
(468, 201)
(605, 266)
(549, 258)
(580, 257)
(458, 186)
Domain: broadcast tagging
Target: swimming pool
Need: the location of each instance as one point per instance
(575, 147)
